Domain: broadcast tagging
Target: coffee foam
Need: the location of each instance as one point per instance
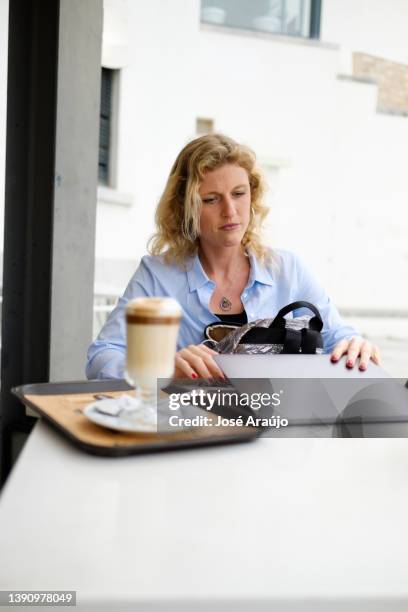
(153, 307)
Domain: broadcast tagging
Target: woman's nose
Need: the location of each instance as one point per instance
(228, 206)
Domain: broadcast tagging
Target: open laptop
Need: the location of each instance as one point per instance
(313, 390)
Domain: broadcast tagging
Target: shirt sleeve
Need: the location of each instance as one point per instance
(107, 354)
(310, 290)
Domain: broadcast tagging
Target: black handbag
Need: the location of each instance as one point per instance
(277, 335)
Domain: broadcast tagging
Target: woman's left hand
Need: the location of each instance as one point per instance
(356, 348)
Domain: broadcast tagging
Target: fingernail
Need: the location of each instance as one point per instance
(194, 375)
(349, 363)
(334, 358)
(363, 367)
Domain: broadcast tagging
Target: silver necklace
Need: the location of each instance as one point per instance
(225, 303)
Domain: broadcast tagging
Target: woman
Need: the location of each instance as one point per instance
(207, 254)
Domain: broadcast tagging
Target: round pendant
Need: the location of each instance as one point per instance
(225, 304)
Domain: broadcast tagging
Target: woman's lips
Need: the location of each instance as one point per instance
(229, 227)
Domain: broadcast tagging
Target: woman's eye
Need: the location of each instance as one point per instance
(239, 193)
(209, 200)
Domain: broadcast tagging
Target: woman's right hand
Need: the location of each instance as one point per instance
(196, 361)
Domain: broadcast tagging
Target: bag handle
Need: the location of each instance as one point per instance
(315, 323)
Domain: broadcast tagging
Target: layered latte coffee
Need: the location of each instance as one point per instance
(152, 325)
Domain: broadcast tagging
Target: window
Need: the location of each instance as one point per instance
(289, 17)
(106, 127)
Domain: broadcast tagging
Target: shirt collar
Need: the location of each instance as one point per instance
(198, 278)
(259, 272)
(195, 274)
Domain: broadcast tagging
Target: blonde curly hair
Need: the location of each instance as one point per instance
(178, 212)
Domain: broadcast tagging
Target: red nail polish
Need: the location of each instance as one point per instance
(349, 363)
(363, 367)
(194, 375)
(334, 358)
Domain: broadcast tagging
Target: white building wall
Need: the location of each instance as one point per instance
(336, 166)
(157, 105)
(378, 27)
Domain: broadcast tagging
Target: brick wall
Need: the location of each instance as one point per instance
(391, 77)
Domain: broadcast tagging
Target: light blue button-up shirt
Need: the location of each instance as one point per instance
(269, 288)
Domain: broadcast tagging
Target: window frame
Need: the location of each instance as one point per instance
(314, 25)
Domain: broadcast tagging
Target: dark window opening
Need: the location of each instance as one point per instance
(105, 126)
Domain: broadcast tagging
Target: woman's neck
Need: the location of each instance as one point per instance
(223, 263)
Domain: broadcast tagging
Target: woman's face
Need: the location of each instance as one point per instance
(226, 204)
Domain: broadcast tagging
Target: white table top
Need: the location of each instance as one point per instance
(283, 521)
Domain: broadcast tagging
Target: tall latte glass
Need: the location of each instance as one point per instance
(152, 325)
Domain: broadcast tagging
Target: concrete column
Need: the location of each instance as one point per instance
(76, 165)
